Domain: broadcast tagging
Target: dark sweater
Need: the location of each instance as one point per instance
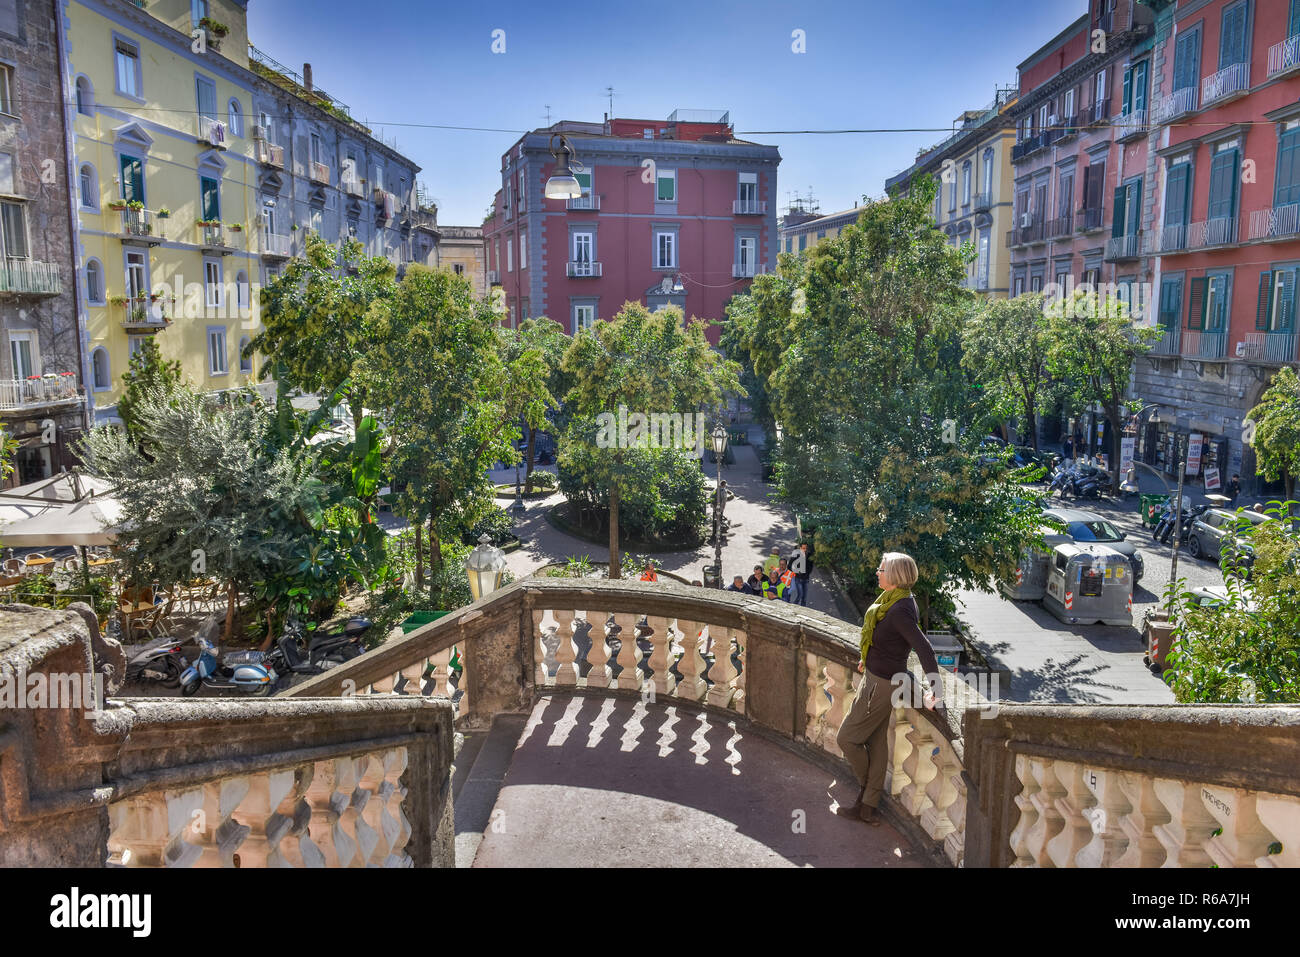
(898, 633)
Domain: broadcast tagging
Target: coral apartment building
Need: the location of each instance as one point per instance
(673, 211)
(41, 403)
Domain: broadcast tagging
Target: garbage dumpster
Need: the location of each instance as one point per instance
(1089, 583)
(1030, 582)
(947, 649)
(1151, 507)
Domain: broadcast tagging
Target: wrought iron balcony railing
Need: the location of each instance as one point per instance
(1284, 57)
(749, 207)
(1212, 232)
(1229, 82)
(1128, 246)
(1205, 344)
(30, 277)
(1278, 348)
(582, 270)
(1175, 105)
(589, 201)
(1275, 222)
(36, 391)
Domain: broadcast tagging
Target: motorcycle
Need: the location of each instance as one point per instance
(244, 670)
(160, 661)
(322, 652)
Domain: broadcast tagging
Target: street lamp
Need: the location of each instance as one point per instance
(518, 509)
(562, 184)
(484, 567)
(719, 439)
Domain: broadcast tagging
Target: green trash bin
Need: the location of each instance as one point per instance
(421, 618)
(1152, 505)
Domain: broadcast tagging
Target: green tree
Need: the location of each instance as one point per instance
(1005, 344)
(534, 358)
(1277, 429)
(1094, 346)
(314, 317)
(435, 375)
(647, 362)
(147, 373)
(859, 343)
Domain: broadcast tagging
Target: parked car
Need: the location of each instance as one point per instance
(1214, 536)
(1087, 527)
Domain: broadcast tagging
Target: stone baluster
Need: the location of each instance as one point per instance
(366, 771)
(839, 685)
(1146, 812)
(1240, 838)
(265, 794)
(229, 833)
(412, 677)
(660, 657)
(815, 701)
(920, 768)
(954, 845)
(382, 827)
(1189, 826)
(1049, 822)
(629, 655)
(566, 652)
(942, 792)
(149, 830)
(723, 672)
(328, 797)
(545, 644)
(1280, 813)
(742, 655)
(1028, 813)
(1103, 806)
(289, 818)
(441, 661)
(691, 665)
(598, 654)
(900, 728)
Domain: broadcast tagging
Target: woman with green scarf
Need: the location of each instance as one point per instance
(890, 630)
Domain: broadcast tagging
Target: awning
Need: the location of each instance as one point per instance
(92, 521)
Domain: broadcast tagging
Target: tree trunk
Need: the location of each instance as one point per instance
(1032, 421)
(435, 550)
(528, 465)
(419, 555)
(615, 566)
(232, 599)
(1116, 443)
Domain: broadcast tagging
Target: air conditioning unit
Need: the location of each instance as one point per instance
(1026, 219)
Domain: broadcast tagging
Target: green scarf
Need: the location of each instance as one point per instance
(884, 601)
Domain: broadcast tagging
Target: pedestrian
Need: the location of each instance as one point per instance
(786, 577)
(738, 584)
(890, 630)
(770, 585)
(1234, 488)
(771, 561)
(1067, 447)
(648, 575)
(801, 564)
(755, 581)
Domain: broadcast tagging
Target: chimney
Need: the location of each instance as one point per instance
(306, 76)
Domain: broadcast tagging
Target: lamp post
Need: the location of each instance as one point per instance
(562, 184)
(484, 567)
(1178, 496)
(719, 440)
(518, 509)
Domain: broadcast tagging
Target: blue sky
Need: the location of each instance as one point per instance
(867, 64)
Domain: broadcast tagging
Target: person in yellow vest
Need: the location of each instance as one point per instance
(785, 578)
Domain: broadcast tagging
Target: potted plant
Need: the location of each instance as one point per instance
(236, 227)
(117, 300)
(117, 204)
(135, 205)
(215, 27)
(164, 212)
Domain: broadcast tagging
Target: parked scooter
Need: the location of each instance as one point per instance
(160, 661)
(244, 670)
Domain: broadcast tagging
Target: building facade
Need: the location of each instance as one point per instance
(42, 404)
(972, 168)
(799, 232)
(676, 211)
(461, 249)
(200, 164)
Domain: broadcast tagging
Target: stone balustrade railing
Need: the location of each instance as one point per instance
(788, 669)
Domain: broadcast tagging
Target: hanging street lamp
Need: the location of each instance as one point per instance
(484, 568)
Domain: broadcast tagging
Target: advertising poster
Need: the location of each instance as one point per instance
(1212, 480)
(1194, 454)
(1127, 446)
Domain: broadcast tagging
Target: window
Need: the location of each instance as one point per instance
(1018, 286)
(7, 174)
(1178, 194)
(803, 241)
(137, 275)
(85, 97)
(584, 180)
(132, 179)
(667, 188)
(206, 95)
(1275, 311)
(510, 254)
(127, 60)
(1068, 104)
(1171, 301)
(22, 352)
(458, 268)
(99, 370)
(965, 183)
(583, 252)
(236, 118)
(747, 253)
(982, 263)
(523, 199)
(523, 249)
(648, 133)
(747, 190)
(1065, 197)
(584, 317)
(1135, 89)
(94, 282)
(88, 187)
(316, 151)
(134, 345)
(1044, 114)
(212, 283)
(1232, 35)
(789, 244)
(242, 291)
(496, 254)
(988, 174)
(506, 203)
(13, 230)
(1207, 303)
(217, 350)
(209, 199)
(1035, 283)
(952, 196)
(1223, 182)
(1187, 60)
(665, 250)
(1099, 95)
(6, 89)
(1128, 208)
(245, 362)
(1286, 189)
(198, 10)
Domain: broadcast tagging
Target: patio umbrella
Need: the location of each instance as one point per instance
(91, 521)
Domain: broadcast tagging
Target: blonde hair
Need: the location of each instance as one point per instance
(900, 570)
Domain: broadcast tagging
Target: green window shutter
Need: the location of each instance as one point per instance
(1232, 37)
(1176, 195)
(1134, 215)
(1264, 306)
(1286, 309)
(1171, 302)
(1287, 189)
(1140, 87)
(1128, 93)
(1117, 222)
(1196, 303)
(132, 179)
(1223, 185)
(584, 180)
(211, 201)
(1294, 27)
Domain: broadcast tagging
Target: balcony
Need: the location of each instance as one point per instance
(582, 270)
(319, 173)
(1131, 125)
(587, 201)
(30, 277)
(1069, 128)
(1091, 219)
(1214, 232)
(143, 314)
(1168, 239)
(1119, 248)
(1060, 227)
(1099, 112)
(748, 207)
(747, 270)
(493, 277)
(1228, 84)
(268, 154)
(211, 237)
(1176, 104)
(275, 245)
(1026, 148)
(1284, 57)
(1034, 232)
(1277, 222)
(1170, 343)
(1200, 344)
(1273, 348)
(385, 204)
(982, 201)
(567, 699)
(212, 132)
(137, 227)
(36, 392)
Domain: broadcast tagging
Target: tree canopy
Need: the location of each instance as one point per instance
(1276, 437)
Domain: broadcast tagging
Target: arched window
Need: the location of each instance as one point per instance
(965, 183)
(241, 290)
(94, 282)
(245, 362)
(88, 185)
(236, 119)
(988, 171)
(85, 96)
(99, 366)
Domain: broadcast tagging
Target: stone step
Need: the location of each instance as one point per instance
(480, 768)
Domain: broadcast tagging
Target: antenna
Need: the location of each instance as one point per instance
(548, 115)
(610, 91)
